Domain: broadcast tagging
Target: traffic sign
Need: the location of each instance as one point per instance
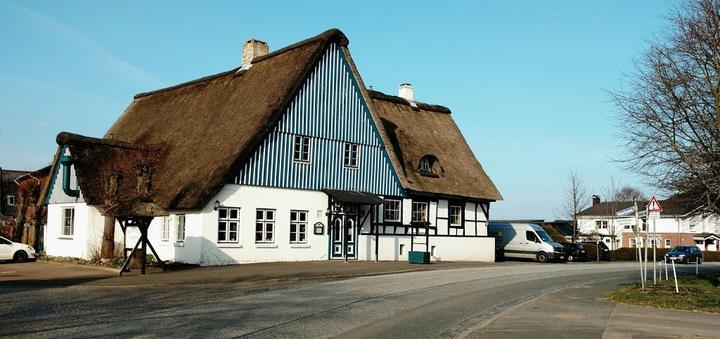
(654, 205)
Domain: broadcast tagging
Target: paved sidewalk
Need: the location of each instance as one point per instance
(582, 311)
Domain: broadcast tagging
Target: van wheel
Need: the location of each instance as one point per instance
(542, 257)
(20, 256)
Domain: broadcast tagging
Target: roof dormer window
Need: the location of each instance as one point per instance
(428, 165)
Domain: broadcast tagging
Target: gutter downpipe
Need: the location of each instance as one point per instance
(66, 162)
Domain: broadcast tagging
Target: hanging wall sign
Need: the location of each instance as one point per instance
(319, 228)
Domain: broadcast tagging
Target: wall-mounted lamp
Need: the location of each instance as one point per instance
(217, 205)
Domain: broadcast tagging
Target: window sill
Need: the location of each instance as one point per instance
(229, 245)
(66, 237)
(179, 244)
(266, 246)
(299, 246)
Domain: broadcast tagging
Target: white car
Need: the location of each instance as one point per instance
(15, 251)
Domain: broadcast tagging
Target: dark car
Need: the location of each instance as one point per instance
(575, 252)
(684, 254)
(592, 246)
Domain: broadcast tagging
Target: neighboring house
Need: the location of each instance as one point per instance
(29, 214)
(9, 202)
(285, 158)
(679, 224)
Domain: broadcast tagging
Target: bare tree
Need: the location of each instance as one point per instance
(576, 200)
(629, 193)
(670, 114)
(612, 194)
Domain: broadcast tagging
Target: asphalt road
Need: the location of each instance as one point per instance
(419, 304)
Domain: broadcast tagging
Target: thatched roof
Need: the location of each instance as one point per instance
(199, 133)
(115, 173)
(417, 130)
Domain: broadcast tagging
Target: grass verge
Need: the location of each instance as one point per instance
(697, 293)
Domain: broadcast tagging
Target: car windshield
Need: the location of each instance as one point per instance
(541, 233)
(681, 249)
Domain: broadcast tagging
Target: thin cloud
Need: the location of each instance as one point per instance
(48, 86)
(112, 61)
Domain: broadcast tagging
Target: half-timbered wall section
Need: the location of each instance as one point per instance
(331, 111)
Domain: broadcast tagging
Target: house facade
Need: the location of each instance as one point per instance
(679, 224)
(285, 158)
(8, 203)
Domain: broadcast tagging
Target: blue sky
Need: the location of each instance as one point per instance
(526, 80)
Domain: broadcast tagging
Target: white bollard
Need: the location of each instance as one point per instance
(675, 276)
(666, 271)
(697, 266)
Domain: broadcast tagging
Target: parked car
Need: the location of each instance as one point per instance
(575, 252)
(604, 250)
(525, 240)
(684, 254)
(15, 251)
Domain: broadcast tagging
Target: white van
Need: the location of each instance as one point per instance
(525, 240)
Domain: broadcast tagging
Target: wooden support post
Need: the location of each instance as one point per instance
(143, 253)
(127, 260)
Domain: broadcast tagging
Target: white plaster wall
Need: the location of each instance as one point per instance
(407, 211)
(443, 248)
(67, 246)
(248, 198)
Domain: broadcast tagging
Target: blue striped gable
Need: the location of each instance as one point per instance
(329, 108)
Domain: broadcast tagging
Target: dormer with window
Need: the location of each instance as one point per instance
(429, 166)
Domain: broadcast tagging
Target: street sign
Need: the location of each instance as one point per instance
(654, 205)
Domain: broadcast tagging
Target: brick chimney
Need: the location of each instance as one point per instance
(406, 91)
(595, 200)
(253, 48)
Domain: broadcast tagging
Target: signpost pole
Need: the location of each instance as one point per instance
(654, 252)
(637, 245)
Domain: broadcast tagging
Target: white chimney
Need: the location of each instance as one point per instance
(406, 91)
(253, 48)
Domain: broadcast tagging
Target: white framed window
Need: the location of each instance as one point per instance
(692, 228)
(180, 228)
(633, 242)
(391, 210)
(298, 227)
(419, 211)
(601, 224)
(11, 200)
(667, 243)
(228, 224)
(68, 219)
(301, 148)
(264, 225)
(165, 234)
(627, 227)
(350, 155)
(455, 215)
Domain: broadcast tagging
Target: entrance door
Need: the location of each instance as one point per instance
(344, 233)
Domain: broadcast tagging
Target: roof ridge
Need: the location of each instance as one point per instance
(402, 101)
(64, 138)
(328, 35)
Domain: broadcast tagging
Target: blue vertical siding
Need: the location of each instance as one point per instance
(330, 109)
